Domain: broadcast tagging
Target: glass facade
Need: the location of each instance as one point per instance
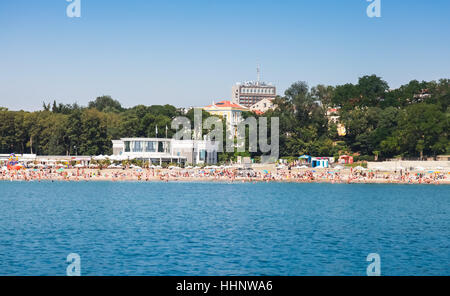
(160, 150)
(147, 146)
(150, 146)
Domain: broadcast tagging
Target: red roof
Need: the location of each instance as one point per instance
(226, 104)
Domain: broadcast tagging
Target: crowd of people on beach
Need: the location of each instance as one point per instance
(309, 175)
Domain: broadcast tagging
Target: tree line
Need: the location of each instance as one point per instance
(410, 121)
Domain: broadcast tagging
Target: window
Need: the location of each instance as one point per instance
(137, 146)
(202, 155)
(160, 147)
(150, 147)
(127, 146)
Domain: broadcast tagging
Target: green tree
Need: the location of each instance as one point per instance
(106, 104)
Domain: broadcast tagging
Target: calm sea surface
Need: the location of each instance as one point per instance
(223, 229)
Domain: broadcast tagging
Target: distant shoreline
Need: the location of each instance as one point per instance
(228, 176)
(236, 182)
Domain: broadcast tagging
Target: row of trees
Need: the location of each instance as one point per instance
(410, 121)
(64, 129)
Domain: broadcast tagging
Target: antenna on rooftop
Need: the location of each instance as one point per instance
(258, 73)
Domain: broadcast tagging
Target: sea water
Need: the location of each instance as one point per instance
(131, 228)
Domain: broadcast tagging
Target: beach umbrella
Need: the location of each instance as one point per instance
(99, 157)
(112, 157)
(123, 157)
(115, 157)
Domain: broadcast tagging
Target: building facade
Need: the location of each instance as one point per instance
(158, 150)
(262, 106)
(230, 111)
(250, 93)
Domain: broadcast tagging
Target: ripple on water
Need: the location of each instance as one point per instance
(222, 229)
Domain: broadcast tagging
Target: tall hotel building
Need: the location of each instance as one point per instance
(250, 93)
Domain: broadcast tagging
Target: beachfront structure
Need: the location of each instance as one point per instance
(320, 162)
(230, 111)
(47, 160)
(158, 150)
(25, 158)
(345, 159)
(250, 93)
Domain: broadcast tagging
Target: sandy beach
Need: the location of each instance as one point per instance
(261, 174)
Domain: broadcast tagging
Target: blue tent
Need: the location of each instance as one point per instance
(307, 157)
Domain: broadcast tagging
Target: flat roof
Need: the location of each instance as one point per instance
(146, 139)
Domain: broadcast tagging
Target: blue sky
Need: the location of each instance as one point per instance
(189, 53)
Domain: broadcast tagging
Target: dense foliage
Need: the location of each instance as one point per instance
(411, 121)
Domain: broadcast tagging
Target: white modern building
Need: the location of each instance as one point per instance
(158, 150)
